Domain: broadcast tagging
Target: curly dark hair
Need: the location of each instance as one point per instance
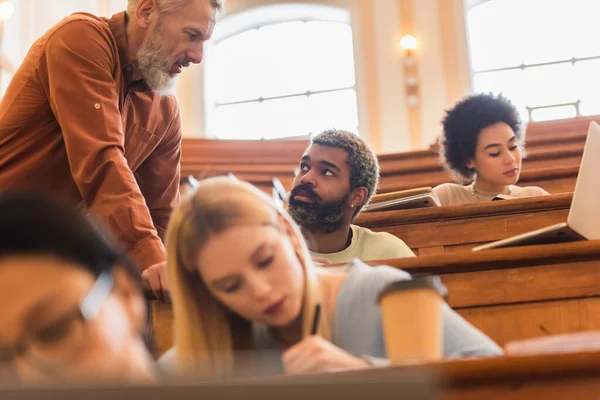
(364, 166)
(463, 123)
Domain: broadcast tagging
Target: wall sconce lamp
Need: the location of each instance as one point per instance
(6, 10)
(408, 44)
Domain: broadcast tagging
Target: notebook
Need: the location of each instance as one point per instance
(404, 199)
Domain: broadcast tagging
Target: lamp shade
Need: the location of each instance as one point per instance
(408, 42)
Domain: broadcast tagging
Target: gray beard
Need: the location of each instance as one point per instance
(154, 59)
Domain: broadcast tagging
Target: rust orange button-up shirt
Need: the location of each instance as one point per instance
(78, 121)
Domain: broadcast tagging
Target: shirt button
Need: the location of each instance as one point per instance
(97, 106)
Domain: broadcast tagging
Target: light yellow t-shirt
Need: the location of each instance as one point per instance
(367, 245)
(451, 194)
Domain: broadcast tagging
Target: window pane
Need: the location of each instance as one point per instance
(510, 83)
(285, 54)
(588, 86)
(551, 84)
(547, 114)
(330, 61)
(279, 63)
(236, 68)
(333, 110)
(235, 122)
(293, 116)
(283, 118)
(509, 33)
(495, 33)
(590, 106)
(550, 29)
(505, 33)
(585, 15)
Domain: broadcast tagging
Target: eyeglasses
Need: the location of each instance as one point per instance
(59, 343)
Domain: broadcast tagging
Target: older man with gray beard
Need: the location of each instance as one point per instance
(89, 117)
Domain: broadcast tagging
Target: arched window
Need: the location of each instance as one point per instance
(543, 54)
(280, 71)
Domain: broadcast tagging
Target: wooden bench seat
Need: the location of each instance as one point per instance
(426, 169)
(553, 180)
(552, 146)
(546, 128)
(548, 153)
(430, 158)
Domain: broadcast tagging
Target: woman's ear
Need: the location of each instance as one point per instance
(471, 164)
(133, 301)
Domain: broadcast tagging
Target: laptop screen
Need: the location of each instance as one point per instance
(584, 215)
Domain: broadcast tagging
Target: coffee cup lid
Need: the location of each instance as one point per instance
(417, 282)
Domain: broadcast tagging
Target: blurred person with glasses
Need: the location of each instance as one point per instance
(71, 309)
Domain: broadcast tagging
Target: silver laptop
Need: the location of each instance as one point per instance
(584, 215)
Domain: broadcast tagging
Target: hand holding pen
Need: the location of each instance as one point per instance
(316, 354)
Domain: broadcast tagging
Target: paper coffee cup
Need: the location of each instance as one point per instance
(412, 319)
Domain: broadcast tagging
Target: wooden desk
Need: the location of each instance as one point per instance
(455, 228)
(548, 377)
(520, 292)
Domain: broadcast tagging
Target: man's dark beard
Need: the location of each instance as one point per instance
(316, 217)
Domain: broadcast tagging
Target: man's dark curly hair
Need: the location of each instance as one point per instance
(364, 167)
(463, 123)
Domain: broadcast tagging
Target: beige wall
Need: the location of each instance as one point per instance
(384, 116)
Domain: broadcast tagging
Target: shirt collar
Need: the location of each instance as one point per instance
(131, 69)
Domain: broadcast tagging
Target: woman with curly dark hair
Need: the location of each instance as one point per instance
(483, 142)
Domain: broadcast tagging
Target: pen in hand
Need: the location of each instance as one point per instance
(315, 325)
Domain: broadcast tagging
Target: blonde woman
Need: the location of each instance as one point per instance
(245, 291)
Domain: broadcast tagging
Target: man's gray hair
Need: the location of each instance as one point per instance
(168, 6)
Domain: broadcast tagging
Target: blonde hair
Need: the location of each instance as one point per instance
(203, 332)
